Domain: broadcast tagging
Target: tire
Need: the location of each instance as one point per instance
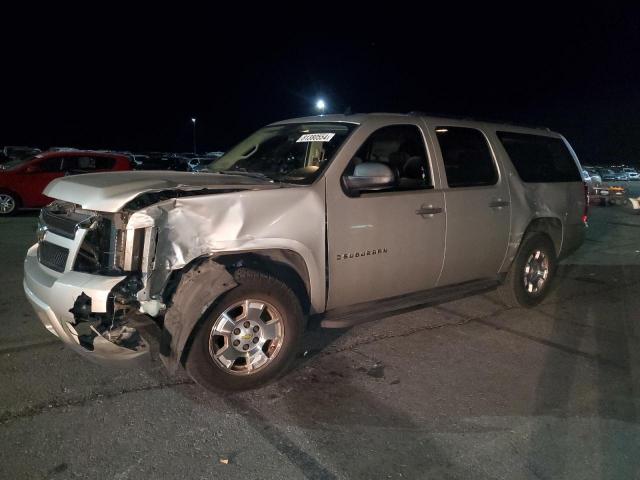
(208, 360)
(514, 292)
(9, 204)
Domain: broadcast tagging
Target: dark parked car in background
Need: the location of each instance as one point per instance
(152, 161)
(22, 181)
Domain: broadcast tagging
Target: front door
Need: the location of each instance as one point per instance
(388, 242)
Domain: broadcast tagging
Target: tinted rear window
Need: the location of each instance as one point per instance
(466, 156)
(540, 159)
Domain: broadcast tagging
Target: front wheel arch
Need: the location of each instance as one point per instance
(259, 286)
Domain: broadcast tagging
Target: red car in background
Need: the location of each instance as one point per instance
(22, 182)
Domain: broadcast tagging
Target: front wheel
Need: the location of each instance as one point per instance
(251, 336)
(532, 271)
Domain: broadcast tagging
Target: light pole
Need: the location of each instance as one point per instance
(193, 120)
(320, 105)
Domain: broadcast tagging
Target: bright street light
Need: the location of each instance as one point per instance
(320, 105)
(193, 120)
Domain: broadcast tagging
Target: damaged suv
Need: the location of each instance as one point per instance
(336, 218)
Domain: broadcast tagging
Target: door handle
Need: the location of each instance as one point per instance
(428, 210)
(498, 203)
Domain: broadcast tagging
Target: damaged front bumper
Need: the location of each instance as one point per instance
(54, 297)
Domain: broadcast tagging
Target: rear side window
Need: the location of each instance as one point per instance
(88, 163)
(466, 156)
(50, 164)
(540, 159)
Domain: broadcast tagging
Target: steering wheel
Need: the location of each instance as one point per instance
(301, 173)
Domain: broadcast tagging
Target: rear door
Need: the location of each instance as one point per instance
(477, 203)
(550, 171)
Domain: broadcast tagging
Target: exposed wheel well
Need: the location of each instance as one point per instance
(285, 265)
(551, 227)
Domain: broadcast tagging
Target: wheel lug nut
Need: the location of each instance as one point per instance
(236, 343)
(246, 324)
(236, 331)
(256, 328)
(245, 346)
(256, 339)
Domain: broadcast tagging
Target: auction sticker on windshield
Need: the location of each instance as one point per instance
(316, 137)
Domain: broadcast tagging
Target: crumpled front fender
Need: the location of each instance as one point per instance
(198, 289)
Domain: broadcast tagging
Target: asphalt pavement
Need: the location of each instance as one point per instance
(466, 389)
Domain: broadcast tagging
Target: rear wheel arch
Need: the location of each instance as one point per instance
(535, 263)
(549, 226)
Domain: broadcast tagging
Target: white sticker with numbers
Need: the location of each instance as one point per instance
(316, 137)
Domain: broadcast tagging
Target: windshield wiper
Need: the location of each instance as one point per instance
(244, 173)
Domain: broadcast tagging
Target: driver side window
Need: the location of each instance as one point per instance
(402, 149)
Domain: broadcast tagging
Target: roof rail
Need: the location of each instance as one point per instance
(471, 119)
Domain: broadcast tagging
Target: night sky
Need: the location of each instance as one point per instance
(101, 79)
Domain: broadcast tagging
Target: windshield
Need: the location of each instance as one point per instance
(294, 153)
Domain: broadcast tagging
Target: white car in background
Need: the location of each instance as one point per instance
(632, 173)
(594, 175)
(593, 182)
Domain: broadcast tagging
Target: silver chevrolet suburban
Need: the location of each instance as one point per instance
(338, 219)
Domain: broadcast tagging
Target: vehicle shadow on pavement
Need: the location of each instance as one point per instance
(326, 424)
(337, 404)
(590, 374)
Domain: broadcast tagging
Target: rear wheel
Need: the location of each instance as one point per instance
(250, 338)
(532, 271)
(9, 203)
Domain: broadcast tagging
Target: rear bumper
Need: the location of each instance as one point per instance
(52, 295)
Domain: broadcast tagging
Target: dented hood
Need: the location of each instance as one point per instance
(109, 192)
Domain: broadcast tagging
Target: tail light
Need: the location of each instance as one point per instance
(585, 213)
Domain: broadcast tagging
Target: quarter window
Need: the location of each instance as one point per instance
(540, 159)
(467, 158)
(104, 163)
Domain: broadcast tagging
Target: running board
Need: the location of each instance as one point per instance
(369, 311)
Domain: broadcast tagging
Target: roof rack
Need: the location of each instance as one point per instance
(470, 119)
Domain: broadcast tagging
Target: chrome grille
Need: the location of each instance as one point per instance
(63, 219)
(59, 224)
(52, 256)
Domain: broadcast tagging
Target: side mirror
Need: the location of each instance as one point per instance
(370, 176)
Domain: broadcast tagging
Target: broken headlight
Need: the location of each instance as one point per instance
(109, 248)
